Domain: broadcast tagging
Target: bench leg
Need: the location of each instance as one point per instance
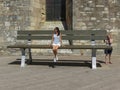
(23, 57)
(94, 59)
(30, 56)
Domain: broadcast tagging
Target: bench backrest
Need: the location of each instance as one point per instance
(66, 35)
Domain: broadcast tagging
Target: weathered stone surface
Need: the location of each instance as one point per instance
(98, 15)
(31, 15)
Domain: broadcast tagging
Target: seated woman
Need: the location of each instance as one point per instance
(56, 42)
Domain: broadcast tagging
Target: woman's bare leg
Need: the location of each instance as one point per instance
(55, 49)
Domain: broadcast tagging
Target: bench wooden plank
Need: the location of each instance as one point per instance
(62, 47)
(67, 35)
(73, 32)
(63, 37)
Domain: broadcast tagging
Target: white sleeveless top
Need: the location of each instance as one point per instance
(56, 39)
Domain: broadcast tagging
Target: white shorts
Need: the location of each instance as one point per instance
(58, 44)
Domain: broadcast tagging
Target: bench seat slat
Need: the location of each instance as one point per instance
(63, 47)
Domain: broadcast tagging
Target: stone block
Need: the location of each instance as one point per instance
(100, 6)
(93, 18)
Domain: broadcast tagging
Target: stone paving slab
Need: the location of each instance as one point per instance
(63, 77)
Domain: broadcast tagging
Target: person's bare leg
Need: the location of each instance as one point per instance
(110, 59)
(54, 50)
(106, 56)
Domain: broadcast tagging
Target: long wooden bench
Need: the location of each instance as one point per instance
(70, 35)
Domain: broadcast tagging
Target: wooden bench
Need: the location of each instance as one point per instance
(71, 35)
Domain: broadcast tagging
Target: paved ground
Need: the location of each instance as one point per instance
(70, 73)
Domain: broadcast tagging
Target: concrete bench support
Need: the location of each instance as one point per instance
(23, 58)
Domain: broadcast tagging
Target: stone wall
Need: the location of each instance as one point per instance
(14, 15)
(98, 15)
(38, 14)
(31, 15)
(69, 14)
